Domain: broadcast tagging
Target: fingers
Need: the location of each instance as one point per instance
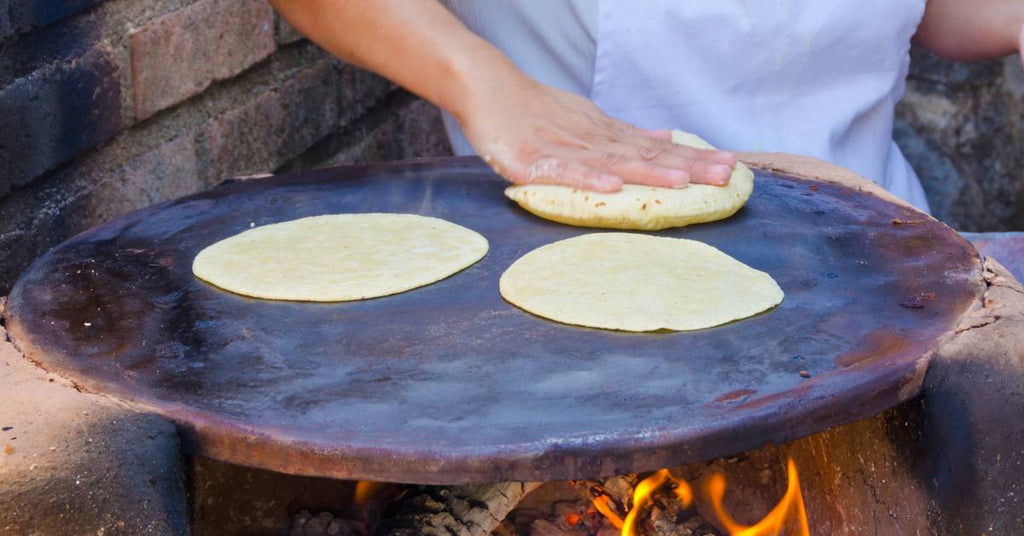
(663, 134)
(711, 173)
(635, 170)
(568, 172)
(661, 165)
(657, 145)
(702, 166)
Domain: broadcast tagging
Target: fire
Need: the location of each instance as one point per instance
(365, 490)
(788, 514)
(601, 503)
(642, 497)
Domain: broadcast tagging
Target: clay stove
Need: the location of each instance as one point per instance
(450, 385)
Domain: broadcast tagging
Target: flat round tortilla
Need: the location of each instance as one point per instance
(634, 282)
(639, 207)
(339, 257)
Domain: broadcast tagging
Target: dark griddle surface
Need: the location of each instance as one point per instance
(449, 383)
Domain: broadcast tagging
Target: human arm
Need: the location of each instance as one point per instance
(527, 131)
(972, 29)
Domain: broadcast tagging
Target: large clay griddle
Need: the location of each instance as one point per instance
(449, 383)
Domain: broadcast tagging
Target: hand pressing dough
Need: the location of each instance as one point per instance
(339, 257)
(635, 282)
(636, 206)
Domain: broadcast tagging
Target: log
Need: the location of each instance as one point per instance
(473, 510)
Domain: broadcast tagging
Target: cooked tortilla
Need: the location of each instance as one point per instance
(339, 257)
(635, 282)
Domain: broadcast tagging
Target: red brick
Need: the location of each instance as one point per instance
(275, 126)
(180, 54)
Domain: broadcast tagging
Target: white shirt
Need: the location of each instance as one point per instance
(813, 77)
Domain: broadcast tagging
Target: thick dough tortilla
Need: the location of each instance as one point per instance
(339, 257)
(635, 282)
(639, 207)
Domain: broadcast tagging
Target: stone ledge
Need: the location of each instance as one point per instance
(974, 403)
(77, 463)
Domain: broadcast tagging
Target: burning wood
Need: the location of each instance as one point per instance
(660, 505)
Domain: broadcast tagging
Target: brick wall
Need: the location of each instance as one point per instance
(109, 106)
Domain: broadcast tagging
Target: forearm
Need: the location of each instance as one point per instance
(527, 131)
(972, 29)
(417, 44)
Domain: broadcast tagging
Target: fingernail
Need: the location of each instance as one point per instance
(721, 171)
(726, 156)
(679, 179)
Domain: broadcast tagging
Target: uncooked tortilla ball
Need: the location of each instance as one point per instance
(639, 207)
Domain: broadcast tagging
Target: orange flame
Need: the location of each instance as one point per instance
(642, 497)
(601, 503)
(789, 513)
(365, 490)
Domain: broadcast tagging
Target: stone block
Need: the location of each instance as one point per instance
(165, 172)
(46, 47)
(56, 113)
(411, 129)
(25, 15)
(973, 398)
(274, 126)
(179, 54)
(286, 34)
(111, 182)
(401, 127)
(72, 463)
(925, 65)
(359, 91)
(959, 126)
(5, 21)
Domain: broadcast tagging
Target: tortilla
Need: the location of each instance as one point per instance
(339, 257)
(635, 282)
(639, 207)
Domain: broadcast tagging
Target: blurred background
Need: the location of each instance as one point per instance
(109, 106)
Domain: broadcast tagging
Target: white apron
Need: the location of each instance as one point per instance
(814, 77)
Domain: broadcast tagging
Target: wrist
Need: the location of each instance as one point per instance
(478, 78)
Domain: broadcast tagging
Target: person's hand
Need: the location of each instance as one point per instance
(528, 132)
(532, 133)
(1020, 45)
